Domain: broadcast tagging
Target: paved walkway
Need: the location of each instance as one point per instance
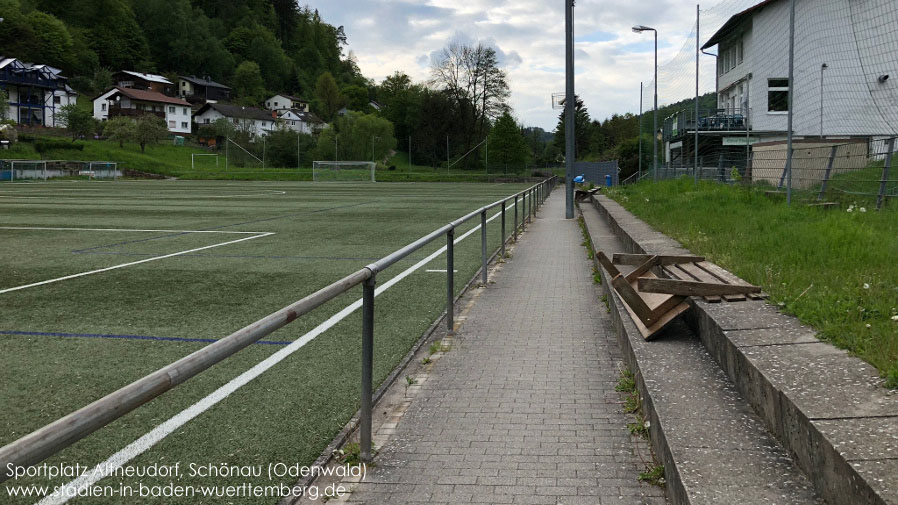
(523, 408)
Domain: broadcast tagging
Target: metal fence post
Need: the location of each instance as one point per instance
(514, 229)
(829, 169)
(483, 256)
(503, 229)
(367, 366)
(450, 281)
(885, 174)
(721, 175)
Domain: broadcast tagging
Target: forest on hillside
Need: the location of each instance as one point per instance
(290, 44)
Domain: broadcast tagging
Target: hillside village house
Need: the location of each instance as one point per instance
(256, 122)
(135, 102)
(200, 91)
(841, 92)
(279, 102)
(299, 121)
(146, 82)
(35, 92)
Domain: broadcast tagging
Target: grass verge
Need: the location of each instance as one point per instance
(833, 269)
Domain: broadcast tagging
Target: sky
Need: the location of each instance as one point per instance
(528, 35)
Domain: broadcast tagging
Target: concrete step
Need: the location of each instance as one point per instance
(827, 408)
(714, 448)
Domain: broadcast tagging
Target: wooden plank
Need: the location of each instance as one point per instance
(705, 276)
(629, 295)
(653, 330)
(725, 276)
(642, 269)
(612, 270)
(691, 288)
(682, 272)
(638, 259)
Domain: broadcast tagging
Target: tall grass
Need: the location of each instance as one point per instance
(836, 270)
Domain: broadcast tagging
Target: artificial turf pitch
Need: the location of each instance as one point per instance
(67, 343)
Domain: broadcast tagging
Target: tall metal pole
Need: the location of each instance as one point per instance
(822, 68)
(791, 92)
(569, 109)
(450, 281)
(367, 367)
(697, 49)
(655, 130)
(639, 170)
(483, 255)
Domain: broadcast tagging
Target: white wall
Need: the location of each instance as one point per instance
(852, 38)
(254, 126)
(181, 114)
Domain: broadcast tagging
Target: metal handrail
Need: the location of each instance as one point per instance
(52, 438)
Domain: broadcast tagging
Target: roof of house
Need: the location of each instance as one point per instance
(733, 22)
(236, 111)
(290, 97)
(148, 77)
(146, 96)
(5, 61)
(307, 117)
(202, 81)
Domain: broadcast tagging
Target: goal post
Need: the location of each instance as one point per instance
(102, 170)
(343, 171)
(27, 169)
(194, 156)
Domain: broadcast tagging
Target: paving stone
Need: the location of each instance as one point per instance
(526, 394)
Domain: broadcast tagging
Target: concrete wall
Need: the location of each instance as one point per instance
(809, 161)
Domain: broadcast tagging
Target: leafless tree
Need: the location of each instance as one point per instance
(479, 88)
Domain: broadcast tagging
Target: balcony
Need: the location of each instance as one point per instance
(125, 112)
(709, 120)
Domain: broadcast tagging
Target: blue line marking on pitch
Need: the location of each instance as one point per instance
(128, 337)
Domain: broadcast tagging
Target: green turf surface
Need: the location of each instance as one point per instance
(321, 232)
(834, 269)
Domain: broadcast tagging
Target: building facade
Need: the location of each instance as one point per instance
(130, 102)
(35, 92)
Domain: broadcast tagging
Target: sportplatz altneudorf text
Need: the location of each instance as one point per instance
(190, 470)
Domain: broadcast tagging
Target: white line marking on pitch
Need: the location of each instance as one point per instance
(147, 441)
(123, 265)
(439, 271)
(130, 230)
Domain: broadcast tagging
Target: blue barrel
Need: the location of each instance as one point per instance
(608, 180)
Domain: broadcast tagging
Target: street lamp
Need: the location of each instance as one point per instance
(640, 29)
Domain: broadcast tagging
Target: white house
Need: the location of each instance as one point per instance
(278, 102)
(250, 119)
(844, 53)
(299, 121)
(35, 92)
(136, 102)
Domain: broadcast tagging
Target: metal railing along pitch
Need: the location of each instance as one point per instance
(52, 438)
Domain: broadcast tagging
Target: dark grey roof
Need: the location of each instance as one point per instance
(237, 111)
(734, 22)
(203, 82)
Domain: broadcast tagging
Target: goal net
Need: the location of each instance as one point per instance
(24, 169)
(340, 171)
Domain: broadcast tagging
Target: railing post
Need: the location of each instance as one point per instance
(367, 367)
(514, 229)
(829, 169)
(483, 256)
(450, 281)
(503, 229)
(885, 174)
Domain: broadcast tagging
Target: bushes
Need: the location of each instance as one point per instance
(44, 144)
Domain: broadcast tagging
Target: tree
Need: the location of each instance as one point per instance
(121, 129)
(79, 122)
(328, 99)
(4, 104)
(248, 84)
(479, 88)
(582, 129)
(149, 129)
(507, 147)
(360, 137)
(53, 43)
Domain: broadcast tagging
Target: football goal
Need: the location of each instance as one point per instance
(343, 171)
(25, 169)
(203, 161)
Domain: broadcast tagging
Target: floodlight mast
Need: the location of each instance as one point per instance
(640, 29)
(569, 102)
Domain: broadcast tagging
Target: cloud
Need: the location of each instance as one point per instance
(528, 36)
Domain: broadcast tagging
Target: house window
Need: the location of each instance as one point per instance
(185, 111)
(57, 99)
(777, 95)
(739, 52)
(206, 121)
(183, 125)
(235, 121)
(103, 107)
(171, 110)
(171, 124)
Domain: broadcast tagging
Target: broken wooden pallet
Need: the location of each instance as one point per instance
(655, 302)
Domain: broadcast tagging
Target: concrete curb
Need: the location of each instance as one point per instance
(828, 409)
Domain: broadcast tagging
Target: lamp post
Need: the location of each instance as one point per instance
(640, 29)
(569, 104)
(822, 68)
(639, 171)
